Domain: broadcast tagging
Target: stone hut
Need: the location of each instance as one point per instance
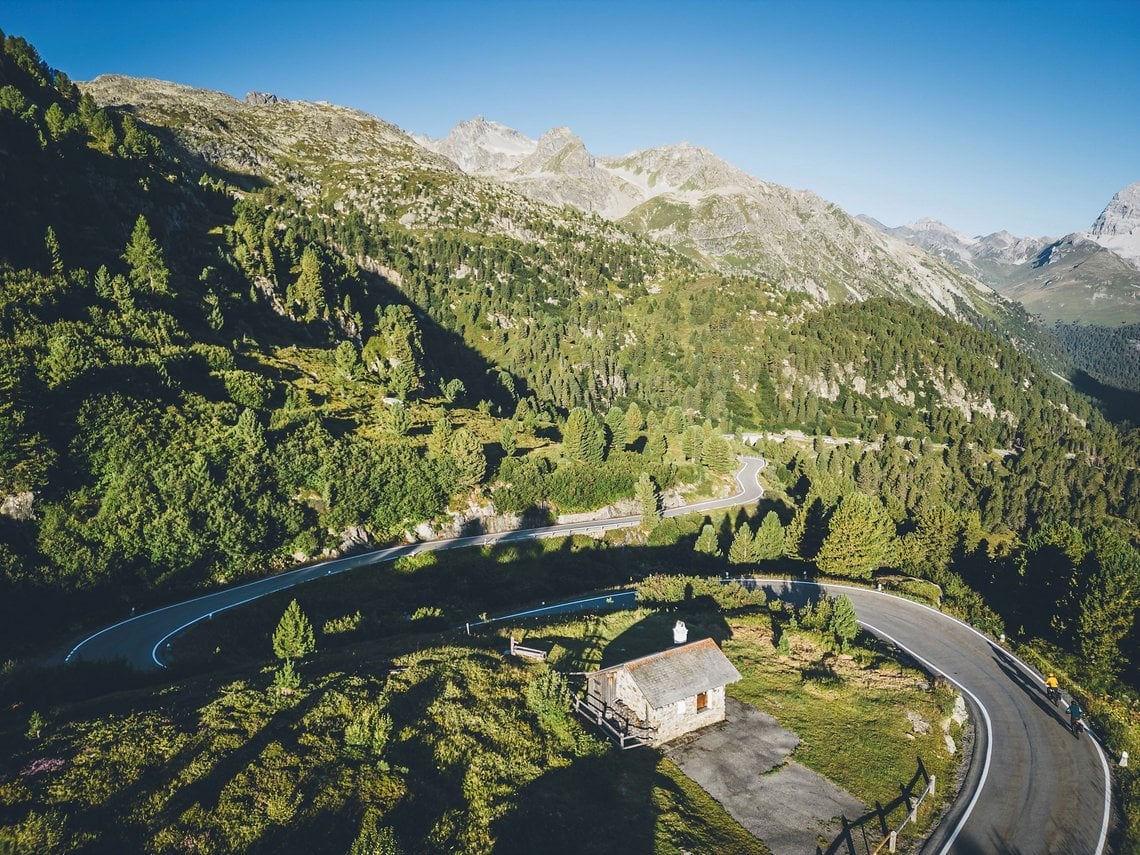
(666, 694)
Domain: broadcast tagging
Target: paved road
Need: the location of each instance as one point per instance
(143, 640)
(1032, 787)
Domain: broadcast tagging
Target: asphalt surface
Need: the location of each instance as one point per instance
(745, 764)
(143, 640)
(1032, 788)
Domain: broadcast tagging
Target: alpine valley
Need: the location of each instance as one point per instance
(238, 336)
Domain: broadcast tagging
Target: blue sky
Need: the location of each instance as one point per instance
(987, 115)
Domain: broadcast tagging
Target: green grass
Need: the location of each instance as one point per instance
(848, 709)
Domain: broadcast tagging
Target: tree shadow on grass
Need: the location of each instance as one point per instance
(601, 805)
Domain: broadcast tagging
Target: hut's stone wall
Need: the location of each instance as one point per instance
(679, 718)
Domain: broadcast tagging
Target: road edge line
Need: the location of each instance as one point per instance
(985, 715)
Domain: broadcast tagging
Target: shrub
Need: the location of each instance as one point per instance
(341, 624)
(369, 729)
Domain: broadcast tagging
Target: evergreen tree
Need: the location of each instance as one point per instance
(860, 538)
(397, 420)
(932, 543)
(470, 459)
(507, 440)
(574, 434)
(768, 544)
(454, 389)
(742, 549)
(1108, 609)
(649, 500)
(346, 360)
(717, 455)
(308, 292)
(55, 120)
(634, 423)
(615, 421)
(439, 442)
(293, 637)
(691, 443)
(594, 442)
(707, 542)
(844, 625)
(143, 256)
(286, 679)
(655, 444)
(55, 258)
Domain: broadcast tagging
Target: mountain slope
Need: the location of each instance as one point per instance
(1092, 277)
(686, 197)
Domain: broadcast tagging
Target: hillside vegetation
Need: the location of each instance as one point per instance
(237, 337)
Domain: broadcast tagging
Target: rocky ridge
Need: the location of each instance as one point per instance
(1091, 276)
(336, 156)
(686, 197)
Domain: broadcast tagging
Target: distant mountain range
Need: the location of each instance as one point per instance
(1091, 276)
(686, 197)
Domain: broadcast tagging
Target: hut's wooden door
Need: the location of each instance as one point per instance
(609, 690)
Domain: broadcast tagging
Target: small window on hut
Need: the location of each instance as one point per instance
(702, 701)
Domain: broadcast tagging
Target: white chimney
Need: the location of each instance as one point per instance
(680, 632)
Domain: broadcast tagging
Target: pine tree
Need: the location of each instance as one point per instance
(507, 440)
(1108, 609)
(594, 442)
(346, 359)
(655, 445)
(844, 624)
(634, 423)
(470, 459)
(717, 455)
(742, 551)
(55, 258)
(308, 292)
(707, 542)
(768, 544)
(860, 538)
(649, 500)
(574, 434)
(439, 441)
(397, 420)
(143, 256)
(293, 637)
(615, 421)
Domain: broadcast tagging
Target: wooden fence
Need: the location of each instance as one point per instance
(616, 725)
(873, 833)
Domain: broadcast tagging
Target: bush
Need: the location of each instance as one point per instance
(341, 624)
(369, 729)
(248, 389)
(662, 590)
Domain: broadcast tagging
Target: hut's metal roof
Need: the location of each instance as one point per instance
(680, 672)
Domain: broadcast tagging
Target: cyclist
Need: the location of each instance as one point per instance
(1075, 714)
(1052, 688)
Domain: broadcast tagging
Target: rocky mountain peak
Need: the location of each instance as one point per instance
(1118, 226)
(260, 99)
(478, 145)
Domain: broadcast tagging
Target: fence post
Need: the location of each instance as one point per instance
(930, 789)
(882, 817)
(894, 841)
